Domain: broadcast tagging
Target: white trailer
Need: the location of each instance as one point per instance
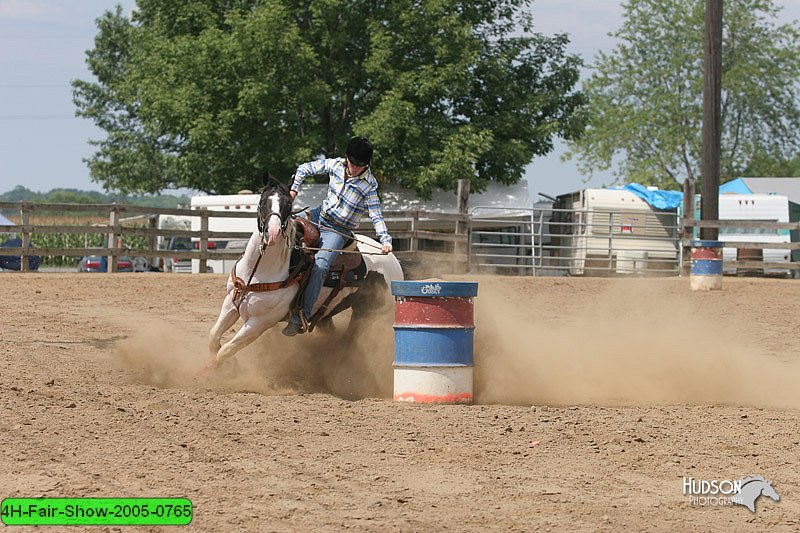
(230, 203)
(755, 208)
(615, 231)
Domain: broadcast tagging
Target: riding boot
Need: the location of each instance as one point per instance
(294, 326)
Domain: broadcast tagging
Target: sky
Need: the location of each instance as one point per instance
(43, 45)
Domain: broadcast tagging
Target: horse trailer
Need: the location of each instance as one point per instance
(753, 208)
(614, 231)
(231, 203)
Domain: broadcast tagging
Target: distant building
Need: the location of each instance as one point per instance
(788, 187)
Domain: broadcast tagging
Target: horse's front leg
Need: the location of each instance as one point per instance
(228, 316)
(253, 327)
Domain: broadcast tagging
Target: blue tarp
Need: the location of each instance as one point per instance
(736, 186)
(664, 200)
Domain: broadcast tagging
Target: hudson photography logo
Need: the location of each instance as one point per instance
(722, 492)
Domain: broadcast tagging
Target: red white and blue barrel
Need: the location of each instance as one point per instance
(433, 330)
(706, 272)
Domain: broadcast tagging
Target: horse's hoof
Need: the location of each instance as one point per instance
(212, 364)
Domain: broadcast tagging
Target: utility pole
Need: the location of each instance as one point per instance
(712, 95)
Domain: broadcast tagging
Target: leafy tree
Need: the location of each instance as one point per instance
(768, 166)
(646, 95)
(203, 93)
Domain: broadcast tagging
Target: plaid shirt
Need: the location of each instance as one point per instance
(348, 200)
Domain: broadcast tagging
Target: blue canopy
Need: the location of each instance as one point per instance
(737, 186)
(665, 200)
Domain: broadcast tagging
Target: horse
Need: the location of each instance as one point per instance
(752, 488)
(265, 263)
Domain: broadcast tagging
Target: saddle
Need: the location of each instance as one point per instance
(348, 269)
(307, 233)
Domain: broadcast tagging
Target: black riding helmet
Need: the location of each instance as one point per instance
(359, 151)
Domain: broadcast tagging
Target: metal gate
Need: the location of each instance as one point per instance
(544, 240)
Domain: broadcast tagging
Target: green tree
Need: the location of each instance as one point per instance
(203, 93)
(646, 95)
(76, 196)
(770, 166)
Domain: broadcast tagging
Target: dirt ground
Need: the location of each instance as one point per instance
(596, 397)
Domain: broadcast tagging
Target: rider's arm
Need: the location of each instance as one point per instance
(312, 168)
(375, 214)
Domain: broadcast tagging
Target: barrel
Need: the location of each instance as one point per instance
(750, 254)
(706, 273)
(433, 339)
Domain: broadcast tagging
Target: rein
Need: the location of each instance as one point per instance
(340, 251)
(349, 236)
(240, 288)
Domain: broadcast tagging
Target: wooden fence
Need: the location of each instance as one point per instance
(415, 226)
(757, 247)
(445, 235)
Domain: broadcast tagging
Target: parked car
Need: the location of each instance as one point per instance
(178, 244)
(13, 262)
(183, 244)
(99, 263)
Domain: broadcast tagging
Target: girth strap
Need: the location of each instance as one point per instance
(240, 288)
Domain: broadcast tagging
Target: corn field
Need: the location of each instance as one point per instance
(74, 240)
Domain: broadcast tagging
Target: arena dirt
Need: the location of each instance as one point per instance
(596, 397)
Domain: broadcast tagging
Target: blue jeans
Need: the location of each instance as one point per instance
(322, 260)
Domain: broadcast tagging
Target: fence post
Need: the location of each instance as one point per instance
(469, 244)
(113, 222)
(203, 240)
(462, 228)
(541, 243)
(152, 242)
(611, 242)
(24, 218)
(414, 243)
(688, 214)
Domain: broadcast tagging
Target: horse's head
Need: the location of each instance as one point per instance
(274, 209)
(768, 491)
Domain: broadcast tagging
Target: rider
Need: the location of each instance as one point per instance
(352, 193)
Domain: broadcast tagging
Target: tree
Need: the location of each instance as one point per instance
(645, 116)
(76, 196)
(204, 93)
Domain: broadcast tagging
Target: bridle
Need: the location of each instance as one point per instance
(263, 221)
(241, 288)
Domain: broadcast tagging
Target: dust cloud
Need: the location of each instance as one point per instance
(348, 362)
(633, 344)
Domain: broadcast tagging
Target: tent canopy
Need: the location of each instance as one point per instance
(789, 187)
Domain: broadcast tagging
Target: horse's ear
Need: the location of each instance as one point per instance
(266, 178)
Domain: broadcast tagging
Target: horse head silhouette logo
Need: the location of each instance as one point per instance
(752, 488)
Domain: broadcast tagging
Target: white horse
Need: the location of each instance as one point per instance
(265, 266)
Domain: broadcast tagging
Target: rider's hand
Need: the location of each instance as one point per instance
(386, 248)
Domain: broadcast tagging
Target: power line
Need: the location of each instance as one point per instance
(36, 117)
(32, 37)
(33, 85)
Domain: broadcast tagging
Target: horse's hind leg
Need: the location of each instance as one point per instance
(251, 330)
(228, 316)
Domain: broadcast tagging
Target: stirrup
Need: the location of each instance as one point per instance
(292, 329)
